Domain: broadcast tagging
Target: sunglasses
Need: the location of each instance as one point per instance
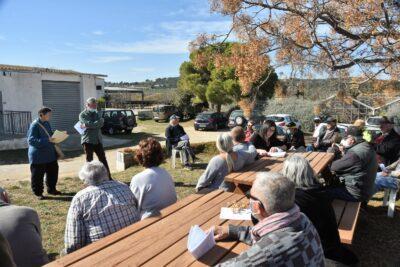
(253, 198)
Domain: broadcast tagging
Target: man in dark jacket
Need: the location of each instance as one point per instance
(389, 148)
(296, 137)
(328, 137)
(178, 139)
(356, 169)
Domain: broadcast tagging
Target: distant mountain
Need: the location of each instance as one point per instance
(159, 83)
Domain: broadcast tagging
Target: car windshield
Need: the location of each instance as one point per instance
(236, 113)
(203, 116)
(373, 121)
(274, 118)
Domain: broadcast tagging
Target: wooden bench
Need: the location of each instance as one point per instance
(346, 218)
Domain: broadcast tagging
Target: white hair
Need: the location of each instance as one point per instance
(93, 173)
(225, 144)
(298, 169)
(91, 100)
(278, 191)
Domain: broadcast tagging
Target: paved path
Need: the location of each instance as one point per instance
(70, 167)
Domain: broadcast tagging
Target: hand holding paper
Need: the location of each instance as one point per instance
(78, 128)
(199, 242)
(185, 137)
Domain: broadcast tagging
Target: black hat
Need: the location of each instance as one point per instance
(317, 118)
(385, 119)
(291, 124)
(354, 131)
(330, 119)
(173, 117)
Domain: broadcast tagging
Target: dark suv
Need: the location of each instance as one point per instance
(210, 121)
(118, 120)
(237, 118)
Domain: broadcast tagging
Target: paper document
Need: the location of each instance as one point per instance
(383, 167)
(59, 136)
(185, 137)
(230, 214)
(78, 128)
(199, 242)
(277, 154)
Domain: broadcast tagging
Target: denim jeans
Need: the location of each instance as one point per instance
(385, 182)
(340, 193)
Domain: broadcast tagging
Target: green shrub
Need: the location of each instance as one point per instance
(301, 109)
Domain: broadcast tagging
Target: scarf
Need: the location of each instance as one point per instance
(274, 222)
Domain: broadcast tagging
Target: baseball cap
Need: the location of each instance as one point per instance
(317, 118)
(173, 117)
(385, 119)
(330, 119)
(291, 125)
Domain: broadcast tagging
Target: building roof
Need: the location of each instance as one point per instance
(4, 67)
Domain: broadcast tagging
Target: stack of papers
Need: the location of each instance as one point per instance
(78, 128)
(59, 136)
(230, 214)
(185, 137)
(277, 154)
(383, 167)
(199, 242)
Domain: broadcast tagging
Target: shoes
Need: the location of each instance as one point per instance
(54, 192)
(188, 167)
(41, 197)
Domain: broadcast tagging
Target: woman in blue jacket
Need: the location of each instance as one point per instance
(42, 155)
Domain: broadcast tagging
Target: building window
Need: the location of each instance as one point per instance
(99, 87)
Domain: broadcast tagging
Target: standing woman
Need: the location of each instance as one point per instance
(42, 155)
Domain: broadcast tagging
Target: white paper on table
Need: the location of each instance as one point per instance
(242, 215)
(199, 242)
(59, 136)
(277, 154)
(185, 137)
(78, 128)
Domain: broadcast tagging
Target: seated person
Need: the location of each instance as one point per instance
(313, 202)
(153, 188)
(367, 135)
(6, 257)
(283, 236)
(388, 178)
(102, 208)
(219, 166)
(178, 139)
(319, 128)
(20, 226)
(389, 147)
(246, 151)
(356, 169)
(296, 137)
(249, 130)
(329, 137)
(266, 139)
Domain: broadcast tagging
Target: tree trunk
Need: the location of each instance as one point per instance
(219, 108)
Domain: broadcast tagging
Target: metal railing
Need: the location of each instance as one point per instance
(15, 122)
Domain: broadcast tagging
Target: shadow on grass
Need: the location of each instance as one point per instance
(60, 198)
(181, 184)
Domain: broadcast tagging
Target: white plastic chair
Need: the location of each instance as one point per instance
(390, 195)
(173, 158)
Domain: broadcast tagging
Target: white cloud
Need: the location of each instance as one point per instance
(111, 59)
(156, 46)
(142, 69)
(98, 32)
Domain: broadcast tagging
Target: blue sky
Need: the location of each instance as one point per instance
(126, 40)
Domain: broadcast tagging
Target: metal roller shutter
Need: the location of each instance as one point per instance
(64, 98)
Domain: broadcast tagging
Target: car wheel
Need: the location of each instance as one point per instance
(128, 132)
(216, 127)
(111, 131)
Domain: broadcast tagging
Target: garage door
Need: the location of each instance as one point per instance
(64, 98)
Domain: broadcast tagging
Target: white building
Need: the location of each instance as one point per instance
(24, 90)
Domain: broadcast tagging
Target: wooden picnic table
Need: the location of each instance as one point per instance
(243, 179)
(162, 240)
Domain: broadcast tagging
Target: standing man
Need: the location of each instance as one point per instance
(42, 155)
(178, 139)
(92, 139)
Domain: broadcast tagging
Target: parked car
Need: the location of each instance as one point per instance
(144, 114)
(283, 119)
(163, 112)
(118, 120)
(237, 118)
(210, 121)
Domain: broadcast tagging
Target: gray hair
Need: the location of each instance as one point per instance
(91, 100)
(277, 190)
(225, 144)
(297, 169)
(93, 173)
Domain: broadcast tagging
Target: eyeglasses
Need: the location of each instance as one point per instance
(251, 197)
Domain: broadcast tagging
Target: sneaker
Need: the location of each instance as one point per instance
(54, 192)
(188, 167)
(41, 197)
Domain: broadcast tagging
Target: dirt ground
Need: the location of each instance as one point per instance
(18, 168)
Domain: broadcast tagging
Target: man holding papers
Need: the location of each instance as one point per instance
(42, 154)
(91, 138)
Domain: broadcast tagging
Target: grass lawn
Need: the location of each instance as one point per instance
(376, 241)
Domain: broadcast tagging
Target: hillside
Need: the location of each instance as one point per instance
(159, 83)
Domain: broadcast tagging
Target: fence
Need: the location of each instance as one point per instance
(15, 122)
